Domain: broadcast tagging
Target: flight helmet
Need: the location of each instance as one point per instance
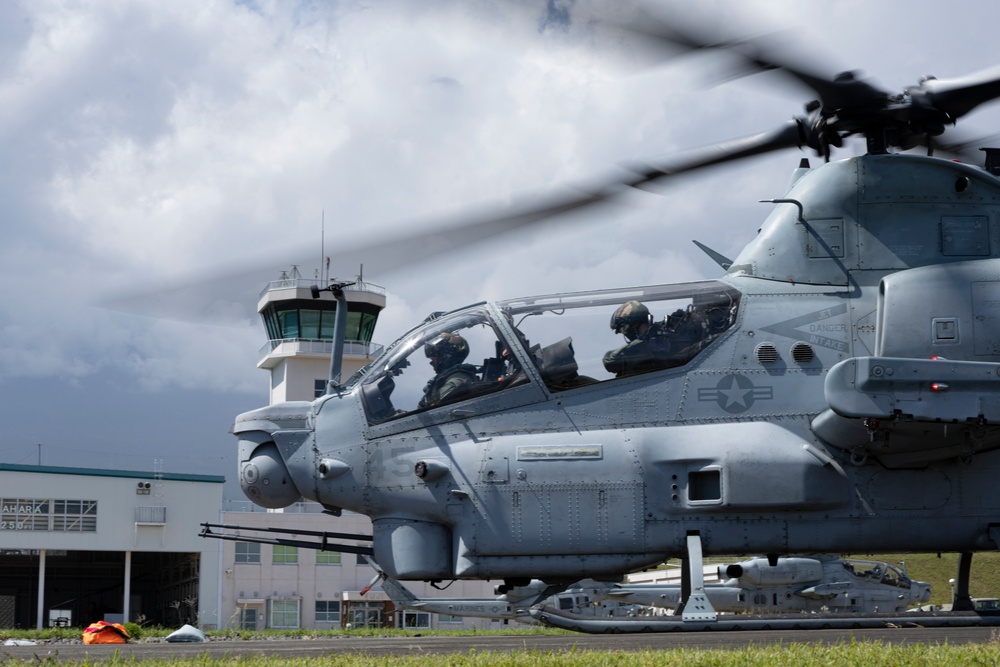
(446, 350)
(629, 317)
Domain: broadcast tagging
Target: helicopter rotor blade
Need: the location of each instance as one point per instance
(957, 97)
(198, 300)
(760, 54)
(213, 296)
(790, 135)
(847, 103)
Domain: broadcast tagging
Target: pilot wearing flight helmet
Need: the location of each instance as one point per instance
(446, 352)
(651, 345)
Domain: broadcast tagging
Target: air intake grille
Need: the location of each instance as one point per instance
(766, 353)
(802, 353)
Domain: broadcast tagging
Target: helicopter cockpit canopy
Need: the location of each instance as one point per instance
(885, 573)
(564, 340)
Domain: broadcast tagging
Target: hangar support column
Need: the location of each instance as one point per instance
(126, 612)
(39, 617)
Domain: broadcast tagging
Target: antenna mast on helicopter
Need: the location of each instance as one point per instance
(322, 248)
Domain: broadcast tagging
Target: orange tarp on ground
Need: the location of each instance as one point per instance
(105, 633)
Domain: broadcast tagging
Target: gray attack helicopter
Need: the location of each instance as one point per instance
(796, 584)
(837, 390)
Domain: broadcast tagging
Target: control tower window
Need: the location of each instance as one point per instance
(302, 320)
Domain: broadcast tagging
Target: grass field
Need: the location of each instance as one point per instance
(798, 655)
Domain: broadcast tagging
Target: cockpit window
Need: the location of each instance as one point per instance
(454, 358)
(885, 573)
(572, 340)
(580, 339)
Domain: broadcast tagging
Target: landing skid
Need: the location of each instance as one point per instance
(593, 625)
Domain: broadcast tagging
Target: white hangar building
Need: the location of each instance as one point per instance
(81, 545)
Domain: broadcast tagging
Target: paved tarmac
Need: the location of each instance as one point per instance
(318, 648)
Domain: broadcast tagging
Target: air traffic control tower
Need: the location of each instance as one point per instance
(300, 333)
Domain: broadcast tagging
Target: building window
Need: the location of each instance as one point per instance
(289, 320)
(247, 552)
(248, 618)
(151, 515)
(284, 555)
(416, 619)
(448, 618)
(368, 615)
(284, 613)
(319, 388)
(310, 324)
(75, 515)
(328, 558)
(21, 514)
(328, 611)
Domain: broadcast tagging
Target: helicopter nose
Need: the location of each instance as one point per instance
(264, 477)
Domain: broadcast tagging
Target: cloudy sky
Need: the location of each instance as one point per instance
(149, 144)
